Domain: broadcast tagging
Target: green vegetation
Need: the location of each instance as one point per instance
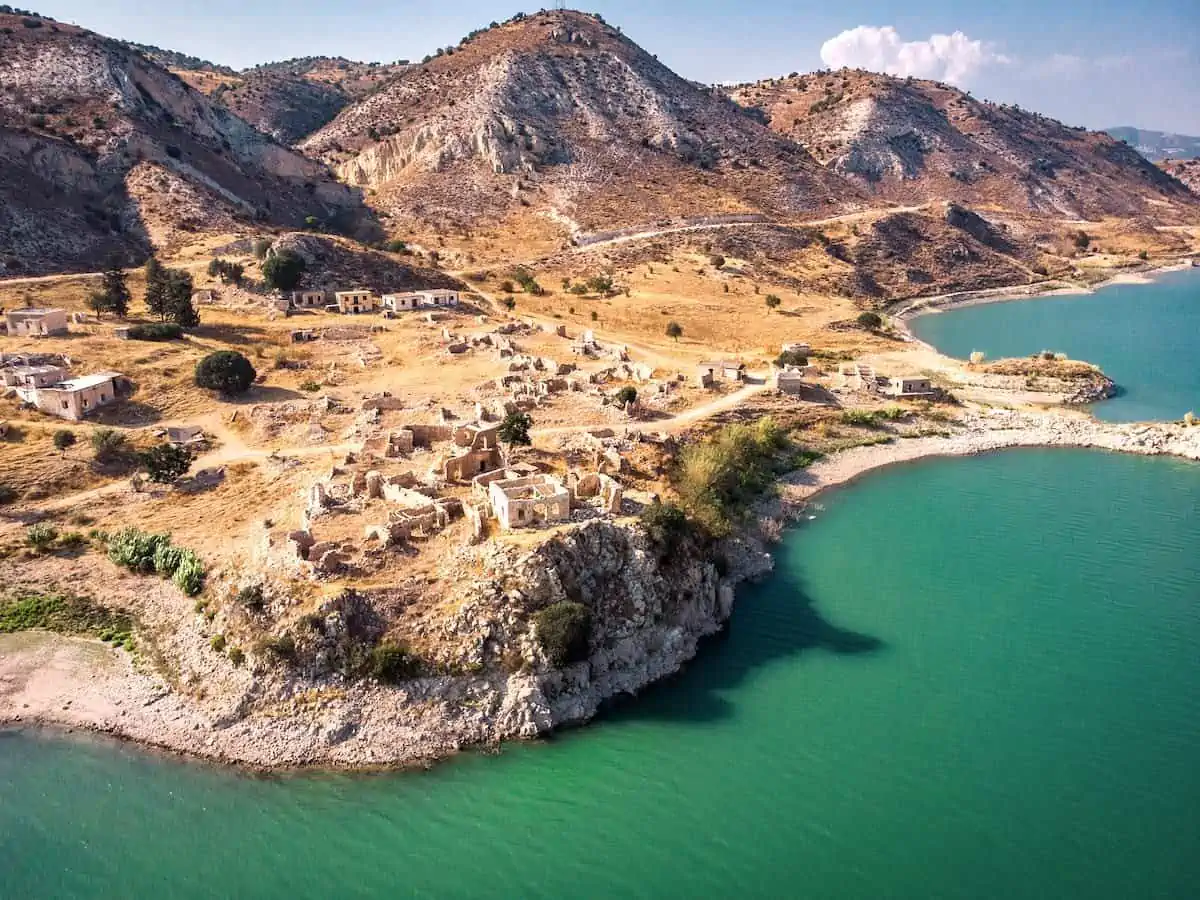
(283, 270)
(65, 614)
(388, 661)
(528, 284)
(667, 526)
(562, 631)
(169, 295)
(64, 440)
(156, 331)
(627, 394)
(869, 320)
(719, 478)
(165, 463)
(147, 553)
(225, 371)
(716, 261)
(252, 597)
(674, 331)
(772, 302)
(515, 428)
(282, 647)
(1081, 240)
(113, 295)
(873, 418)
(791, 358)
(109, 445)
(261, 247)
(228, 272)
(217, 642)
(41, 536)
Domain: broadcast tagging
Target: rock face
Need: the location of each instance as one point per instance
(556, 110)
(914, 141)
(93, 133)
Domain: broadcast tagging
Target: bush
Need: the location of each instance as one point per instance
(225, 371)
(64, 439)
(7, 495)
(217, 642)
(252, 597)
(282, 647)
(395, 246)
(791, 358)
(283, 270)
(388, 661)
(310, 386)
(869, 320)
(237, 655)
(873, 418)
(260, 248)
(667, 526)
(166, 462)
(1081, 240)
(674, 331)
(189, 577)
(718, 478)
(716, 261)
(41, 536)
(562, 632)
(627, 394)
(109, 445)
(156, 331)
(136, 550)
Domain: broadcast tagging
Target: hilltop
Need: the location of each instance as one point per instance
(561, 116)
(910, 140)
(102, 150)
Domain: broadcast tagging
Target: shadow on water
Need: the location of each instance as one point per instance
(772, 622)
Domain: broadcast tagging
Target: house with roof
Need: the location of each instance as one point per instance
(30, 377)
(75, 398)
(36, 322)
(353, 302)
(310, 299)
(908, 386)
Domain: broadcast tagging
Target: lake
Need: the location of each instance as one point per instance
(969, 678)
(1143, 336)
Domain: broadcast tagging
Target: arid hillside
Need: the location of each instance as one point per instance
(102, 150)
(1186, 170)
(911, 140)
(559, 116)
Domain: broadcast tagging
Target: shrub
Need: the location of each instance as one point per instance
(40, 536)
(282, 647)
(64, 439)
(772, 301)
(217, 642)
(509, 303)
(395, 246)
(310, 386)
(167, 558)
(716, 261)
(1143, 255)
(109, 445)
(1081, 240)
(873, 418)
(562, 632)
(135, 549)
(260, 248)
(225, 371)
(237, 655)
(7, 494)
(166, 462)
(674, 331)
(667, 526)
(156, 331)
(283, 270)
(869, 320)
(251, 597)
(389, 661)
(189, 577)
(791, 358)
(718, 478)
(627, 394)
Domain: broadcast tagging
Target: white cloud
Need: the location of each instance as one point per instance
(943, 57)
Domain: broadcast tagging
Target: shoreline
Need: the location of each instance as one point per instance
(114, 700)
(907, 310)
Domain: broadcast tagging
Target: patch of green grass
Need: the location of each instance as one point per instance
(873, 418)
(65, 614)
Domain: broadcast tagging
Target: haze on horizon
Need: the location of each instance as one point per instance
(1098, 64)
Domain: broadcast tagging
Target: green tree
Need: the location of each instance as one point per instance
(177, 299)
(64, 439)
(674, 331)
(156, 288)
(772, 302)
(515, 428)
(627, 394)
(113, 295)
(109, 445)
(225, 371)
(260, 247)
(165, 462)
(283, 270)
(869, 320)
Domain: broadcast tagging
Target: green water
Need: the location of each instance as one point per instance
(970, 678)
(1144, 336)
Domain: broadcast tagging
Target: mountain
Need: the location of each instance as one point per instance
(909, 140)
(559, 116)
(103, 150)
(1156, 145)
(290, 100)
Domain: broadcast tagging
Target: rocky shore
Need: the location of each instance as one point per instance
(651, 615)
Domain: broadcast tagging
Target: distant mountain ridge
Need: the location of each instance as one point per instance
(1156, 145)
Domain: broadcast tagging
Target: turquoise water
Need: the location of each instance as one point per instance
(970, 678)
(1144, 336)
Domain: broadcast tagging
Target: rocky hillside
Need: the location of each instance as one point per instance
(914, 141)
(103, 150)
(1157, 145)
(1186, 170)
(290, 100)
(561, 115)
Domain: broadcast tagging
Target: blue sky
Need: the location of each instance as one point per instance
(1095, 63)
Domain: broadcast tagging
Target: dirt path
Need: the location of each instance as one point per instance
(43, 279)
